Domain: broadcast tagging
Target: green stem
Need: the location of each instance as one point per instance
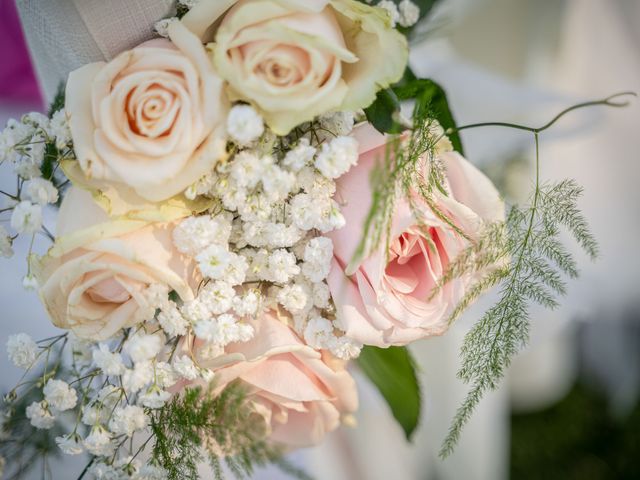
(609, 102)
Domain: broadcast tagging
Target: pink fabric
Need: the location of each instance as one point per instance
(18, 82)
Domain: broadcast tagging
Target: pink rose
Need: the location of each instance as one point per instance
(93, 280)
(386, 301)
(301, 393)
(149, 123)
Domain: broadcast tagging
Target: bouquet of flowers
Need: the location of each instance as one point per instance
(244, 209)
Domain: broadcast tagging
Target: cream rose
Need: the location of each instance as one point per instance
(93, 280)
(387, 299)
(149, 123)
(301, 393)
(296, 59)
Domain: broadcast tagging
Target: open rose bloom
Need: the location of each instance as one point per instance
(296, 59)
(387, 300)
(149, 123)
(93, 281)
(300, 393)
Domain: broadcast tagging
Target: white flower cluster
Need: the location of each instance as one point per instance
(264, 249)
(134, 373)
(24, 144)
(406, 13)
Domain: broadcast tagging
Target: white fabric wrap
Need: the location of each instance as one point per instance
(66, 34)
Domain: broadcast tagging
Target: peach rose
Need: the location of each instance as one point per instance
(386, 300)
(152, 121)
(93, 280)
(301, 393)
(296, 59)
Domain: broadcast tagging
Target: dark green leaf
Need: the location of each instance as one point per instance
(381, 113)
(431, 96)
(393, 371)
(50, 158)
(58, 100)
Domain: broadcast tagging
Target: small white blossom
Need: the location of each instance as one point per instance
(236, 271)
(195, 310)
(300, 156)
(195, 234)
(338, 123)
(231, 194)
(70, 444)
(258, 261)
(317, 258)
(244, 124)
(185, 367)
(40, 416)
(204, 186)
(154, 398)
(102, 471)
(126, 420)
(331, 218)
(141, 346)
(277, 183)
(392, 8)
(40, 191)
(59, 129)
(27, 167)
(247, 304)
(257, 207)
(321, 295)
(409, 13)
(59, 395)
(29, 282)
(313, 182)
(22, 350)
(26, 218)
(318, 332)
(136, 378)
(6, 244)
(304, 211)
(280, 235)
(247, 169)
(94, 415)
(218, 296)
(110, 363)
(36, 119)
(294, 297)
(172, 321)
(344, 347)
(214, 260)
(223, 330)
(282, 266)
(162, 26)
(165, 375)
(337, 157)
(99, 442)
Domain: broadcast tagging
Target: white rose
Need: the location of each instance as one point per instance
(296, 59)
(151, 122)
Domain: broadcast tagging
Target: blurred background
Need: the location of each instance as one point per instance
(568, 408)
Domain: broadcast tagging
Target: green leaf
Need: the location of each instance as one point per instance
(58, 100)
(393, 371)
(50, 158)
(431, 96)
(382, 111)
